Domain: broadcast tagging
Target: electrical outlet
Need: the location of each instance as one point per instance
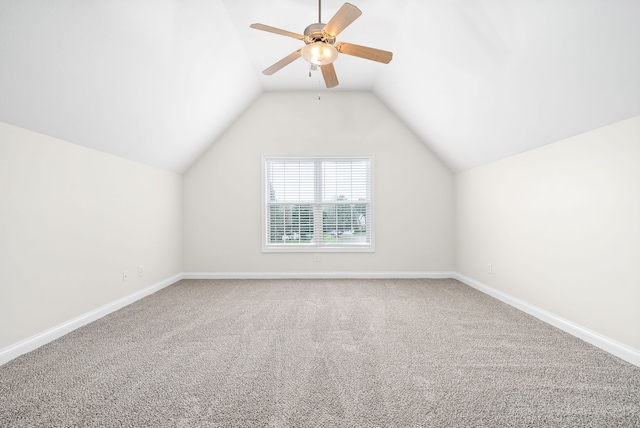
(125, 276)
(489, 268)
(141, 270)
(316, 257)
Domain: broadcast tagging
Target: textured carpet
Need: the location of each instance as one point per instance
(319, 353)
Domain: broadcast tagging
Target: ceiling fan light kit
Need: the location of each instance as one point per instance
(319, 53)
(321, 48)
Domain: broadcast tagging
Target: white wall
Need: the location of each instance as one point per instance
(413, 190)
(559, 224)
(561, 227)
(72, 220)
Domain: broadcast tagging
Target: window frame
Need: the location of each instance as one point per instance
(317, 247)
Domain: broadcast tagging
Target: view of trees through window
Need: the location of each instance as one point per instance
(316, 202)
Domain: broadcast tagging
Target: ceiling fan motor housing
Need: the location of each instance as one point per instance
(315, 33)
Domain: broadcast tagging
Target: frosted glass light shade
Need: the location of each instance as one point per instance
(319, 53)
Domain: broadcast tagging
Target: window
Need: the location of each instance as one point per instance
(318, 204)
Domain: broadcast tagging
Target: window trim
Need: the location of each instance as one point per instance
(317, 248)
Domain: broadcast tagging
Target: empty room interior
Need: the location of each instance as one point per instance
(205, 222)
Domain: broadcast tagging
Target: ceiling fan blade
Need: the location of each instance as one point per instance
(365, 52)
(275, 30)
(282, 63)
(341, 20)
(329, 74)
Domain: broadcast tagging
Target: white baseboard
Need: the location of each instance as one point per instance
(609, 345)
(33, 342)
(316, 275)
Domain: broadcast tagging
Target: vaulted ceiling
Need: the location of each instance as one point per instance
(157, 81)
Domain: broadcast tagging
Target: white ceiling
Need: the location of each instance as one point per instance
(157, 81)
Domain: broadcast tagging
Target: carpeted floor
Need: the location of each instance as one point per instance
(319, 353)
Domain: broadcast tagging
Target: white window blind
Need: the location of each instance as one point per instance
(319, 203)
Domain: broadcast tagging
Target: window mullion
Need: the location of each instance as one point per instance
(317, 206)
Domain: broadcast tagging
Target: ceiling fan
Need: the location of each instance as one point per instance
(321, 49)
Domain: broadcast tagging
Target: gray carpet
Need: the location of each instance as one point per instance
(319, 353)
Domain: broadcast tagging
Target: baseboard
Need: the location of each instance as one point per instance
(611, 346)
(316, 275)
(27, 345)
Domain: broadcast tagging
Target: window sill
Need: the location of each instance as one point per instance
(319, 249)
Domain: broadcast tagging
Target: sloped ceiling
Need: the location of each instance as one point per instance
(157, 81)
